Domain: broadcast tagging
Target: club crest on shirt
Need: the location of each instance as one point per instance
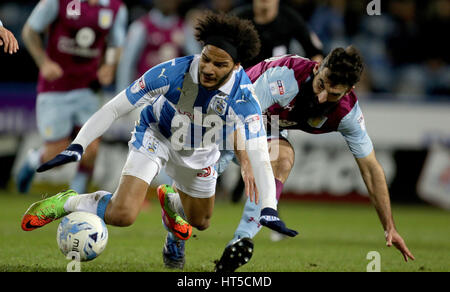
(105, 18)
(317, 122)
(219, 103)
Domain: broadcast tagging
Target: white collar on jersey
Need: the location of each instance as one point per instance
(101, 2)
(226, 88)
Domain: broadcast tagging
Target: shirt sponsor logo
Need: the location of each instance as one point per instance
(188, 114)
(85, 37)
(286, 123)
(317, 122)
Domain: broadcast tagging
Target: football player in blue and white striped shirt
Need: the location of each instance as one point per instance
(192, 106)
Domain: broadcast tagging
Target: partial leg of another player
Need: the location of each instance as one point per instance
(36, 157)
(85, 170)
(58, 115)
(282, 159)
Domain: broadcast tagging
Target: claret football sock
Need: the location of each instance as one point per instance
(279, 188)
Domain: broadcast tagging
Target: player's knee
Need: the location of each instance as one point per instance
(203, 226)
(283, 167)
(121, 216)
(286, 164)
(201, 223)
(124, 221)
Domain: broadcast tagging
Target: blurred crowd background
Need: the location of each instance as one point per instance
(404, 91)
(405, 48)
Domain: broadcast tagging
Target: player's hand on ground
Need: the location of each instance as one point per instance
(393, 238)
(106, 74)
(251, 190)
(269, 218)
(8, 41)
(50, 70)
(71, 154)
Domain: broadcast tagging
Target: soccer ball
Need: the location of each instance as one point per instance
(82, 236)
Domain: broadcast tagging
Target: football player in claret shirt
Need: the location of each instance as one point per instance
(179, 97)
(153, 38)
(316, 99)
(81, 54)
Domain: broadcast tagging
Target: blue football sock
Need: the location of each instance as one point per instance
(249, 225)
(102, 204)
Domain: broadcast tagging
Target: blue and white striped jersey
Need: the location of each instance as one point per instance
(186, 113)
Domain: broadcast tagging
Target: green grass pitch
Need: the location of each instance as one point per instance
(333, 237)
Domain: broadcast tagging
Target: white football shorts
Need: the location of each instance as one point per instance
(195, 182)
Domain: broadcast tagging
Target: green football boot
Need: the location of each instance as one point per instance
(45, 211)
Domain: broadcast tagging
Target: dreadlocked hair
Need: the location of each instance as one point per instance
(240, 32)
(345, 66)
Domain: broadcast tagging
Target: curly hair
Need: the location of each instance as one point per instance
(239, 32)
(345, 66)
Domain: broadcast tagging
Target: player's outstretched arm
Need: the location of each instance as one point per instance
(258, 155)
(251, 190)
(8, 41)
(374, 178)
